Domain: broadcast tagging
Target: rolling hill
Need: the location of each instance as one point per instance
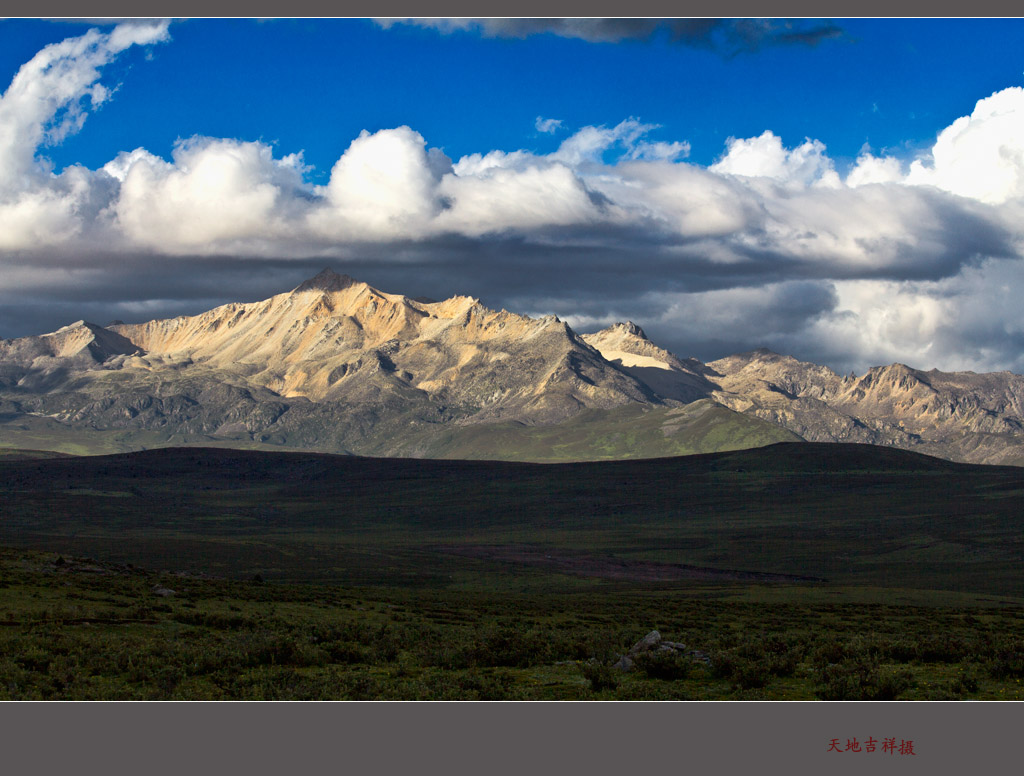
(806, 513)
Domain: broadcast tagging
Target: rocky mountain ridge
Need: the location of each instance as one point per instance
(333, 337)
(961, 416)
(339, 366)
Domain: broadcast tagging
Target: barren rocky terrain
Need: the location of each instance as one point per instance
(338, 366)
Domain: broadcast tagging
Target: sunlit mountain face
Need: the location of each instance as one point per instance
(337, 365)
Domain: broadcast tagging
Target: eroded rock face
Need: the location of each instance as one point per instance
(42, 362)
(330, 365)
(340, 366)
(626, 345)
(962, 416)
(333, 338)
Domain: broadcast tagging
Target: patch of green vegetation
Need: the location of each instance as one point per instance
(43, 436)
(15, 452)
(631, 431)
(84, 629)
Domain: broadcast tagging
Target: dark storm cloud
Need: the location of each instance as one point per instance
(753, 34)
(712, 325)
(726, 36)
(593, 30)
(748, 36)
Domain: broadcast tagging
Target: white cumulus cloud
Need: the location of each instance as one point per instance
(214, 192)
(590, 143)
(50, 95)
(982, 155)
(48, 100)
(382, 187)
(502, 199)
(874, 169)
(767, 246)
(765, 157)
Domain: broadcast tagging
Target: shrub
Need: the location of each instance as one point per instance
(487, 687)
(888, 683)
(361, 688)
(444, 655)
(782, 663)
(509, 647)
(863, 681)
(942, 648)
(389, 641)
(600, 676)
(215, 620)
(346, 652)
(669, 665)
(965, 683)
(1006, 664)
(828, 652)
(748, 670)
(385, 650)
(723, 664)
(751, 674)
(651, 691)
(902, 650)
(277, 649)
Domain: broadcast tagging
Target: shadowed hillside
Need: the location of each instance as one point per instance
(849, 514)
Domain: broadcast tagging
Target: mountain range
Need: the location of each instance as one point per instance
(336, 365)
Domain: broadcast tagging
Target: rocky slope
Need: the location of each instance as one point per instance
(336, 339)
(626, 345)
(339, 366)
(961, 416)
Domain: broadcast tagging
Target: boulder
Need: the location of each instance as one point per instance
(652, 643)
(648, 642)
(625, 663)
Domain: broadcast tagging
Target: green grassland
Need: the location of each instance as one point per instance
(19, 433)
(801, 570)
(631, 431)
(91, 630)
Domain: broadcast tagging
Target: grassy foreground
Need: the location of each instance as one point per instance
(84, 629)
(795, 572)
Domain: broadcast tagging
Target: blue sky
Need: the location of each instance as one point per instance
(312, 86)
(847, 191)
